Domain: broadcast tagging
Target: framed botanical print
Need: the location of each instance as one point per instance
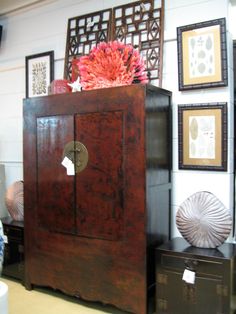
(202, 55)
(39, 73)
(202, 136)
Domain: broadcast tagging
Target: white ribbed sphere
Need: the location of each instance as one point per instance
(203, 220)
(14, 200)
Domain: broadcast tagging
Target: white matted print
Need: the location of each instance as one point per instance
(202, 136)
(39, 73)
(202, 61)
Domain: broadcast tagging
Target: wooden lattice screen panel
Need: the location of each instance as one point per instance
(83, 33)
(141, 24)
(138, 23)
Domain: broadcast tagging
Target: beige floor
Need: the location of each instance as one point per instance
(46, 301)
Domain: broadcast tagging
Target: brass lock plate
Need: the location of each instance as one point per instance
(77, 153)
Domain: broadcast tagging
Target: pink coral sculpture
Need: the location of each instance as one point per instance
(111, 64)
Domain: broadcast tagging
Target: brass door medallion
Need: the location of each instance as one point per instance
(77, 153)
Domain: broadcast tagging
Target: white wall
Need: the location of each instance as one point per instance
(43, 28)
(186, 182)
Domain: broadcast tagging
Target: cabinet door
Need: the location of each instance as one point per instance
(176, 296)
(55, 200)
(207, 297)
(99, 188)
(169, 293)
(97, 208)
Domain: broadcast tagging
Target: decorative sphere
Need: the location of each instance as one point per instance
(14, 200)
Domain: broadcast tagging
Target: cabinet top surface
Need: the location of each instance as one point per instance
(119, 90)
(180, 245)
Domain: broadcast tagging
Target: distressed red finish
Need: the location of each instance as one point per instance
(92, 235)
(100, 188)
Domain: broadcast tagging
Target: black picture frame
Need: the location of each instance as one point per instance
(202, 136)
(0, 34)
(202, 55)
(39, 73)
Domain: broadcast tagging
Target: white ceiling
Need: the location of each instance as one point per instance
(7, 6)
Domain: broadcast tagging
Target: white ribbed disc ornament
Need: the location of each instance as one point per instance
(14, 200)
(203, 220)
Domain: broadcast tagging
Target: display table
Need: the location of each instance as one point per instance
(212, 272)
(13, 264)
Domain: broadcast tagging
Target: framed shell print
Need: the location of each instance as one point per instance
(202, 136)
(202, 55)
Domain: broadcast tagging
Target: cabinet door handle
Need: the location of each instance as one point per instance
(190, 264)
(77, 153)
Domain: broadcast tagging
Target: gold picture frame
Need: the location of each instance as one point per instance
(202, 55)
(202, 136)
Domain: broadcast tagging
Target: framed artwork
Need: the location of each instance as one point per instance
(39, 73)
(202, 136)
(0, 33)
(202, 55)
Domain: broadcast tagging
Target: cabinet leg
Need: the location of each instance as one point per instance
(28, 285)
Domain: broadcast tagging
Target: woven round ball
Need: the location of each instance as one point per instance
(203, 220)
(14, 200)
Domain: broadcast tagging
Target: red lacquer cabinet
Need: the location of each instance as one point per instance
(92, 234)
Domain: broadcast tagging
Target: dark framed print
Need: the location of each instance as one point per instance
(202, 55)
(39, 73)
(202, 136)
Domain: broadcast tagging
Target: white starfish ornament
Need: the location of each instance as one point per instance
(76, 86)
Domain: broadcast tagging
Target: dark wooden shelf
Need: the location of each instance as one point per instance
(213, 289)
(13, 265)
